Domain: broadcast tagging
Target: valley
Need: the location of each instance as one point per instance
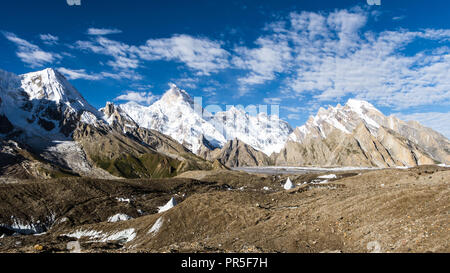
(396, 210)
(168, 177)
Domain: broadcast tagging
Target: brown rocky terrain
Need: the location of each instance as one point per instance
(360, 148)
(389, 210)
(236, 153)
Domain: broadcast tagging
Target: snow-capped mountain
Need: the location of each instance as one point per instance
(266, 133)
(63, 135)
(175, 115)
(344, 118)
(43, 103)
(387, 138)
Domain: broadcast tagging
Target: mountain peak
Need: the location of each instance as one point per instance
(50, 85)
(176, 94)
(358, 104)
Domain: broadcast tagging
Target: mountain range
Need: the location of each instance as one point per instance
(47, 129)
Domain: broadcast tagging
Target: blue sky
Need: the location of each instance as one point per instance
(299, 54)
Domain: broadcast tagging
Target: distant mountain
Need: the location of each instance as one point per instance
(236, 153)
(47, 129)
(264, 133)
(358, 134)
(174, 115)
(50, 123)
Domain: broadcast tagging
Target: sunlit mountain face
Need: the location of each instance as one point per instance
(300, 56)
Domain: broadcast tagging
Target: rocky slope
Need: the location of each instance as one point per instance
(176, 115)
(44, 112)
(357, 134)
(236, 153)
(46, 116)
(391, 210)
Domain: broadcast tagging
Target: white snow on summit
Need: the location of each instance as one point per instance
(36, 102)
(344, 118)
(176, 115)
(263, 132)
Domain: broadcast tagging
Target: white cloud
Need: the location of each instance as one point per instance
(292, 109)
(49, 39)
(435, 120)
(140, 97)
(103, 31)
(270, 57)
(31, 54)
(272, 100)
(293, 116)
(78, 74)
(186, 82)
(332, 58)
(200, 54)
(75, 74)
(398, 18)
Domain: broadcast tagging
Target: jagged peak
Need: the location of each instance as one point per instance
(358, 104)
(51, 85)
(175, 94)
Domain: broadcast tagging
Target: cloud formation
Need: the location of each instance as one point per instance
(75, 74)
(145, 98)
(199, 54)
(103, 31)
(31, 54)
(49, 39)
(331, 56)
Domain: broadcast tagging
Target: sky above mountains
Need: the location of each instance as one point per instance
(299, 54)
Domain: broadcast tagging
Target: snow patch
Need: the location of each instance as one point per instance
(119, 218)
(156, 226)
(88, 118)
(329, 176)
(124, 200)
(172, 203)
(126, 235)
(288, 185)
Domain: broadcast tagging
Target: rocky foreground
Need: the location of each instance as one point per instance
(391, 210)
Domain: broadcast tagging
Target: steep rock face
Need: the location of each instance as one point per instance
(373, 150)
(157, 141)
(238, 154)
(266, 133)
(360, 148)
(402, 149)
(43, 104)
(427, 139)
(174, 115)
(123, 156)
(18, 162)
(46, 113)
(384, 141)
(338, 149)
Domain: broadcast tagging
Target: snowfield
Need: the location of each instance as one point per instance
(126, 235)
